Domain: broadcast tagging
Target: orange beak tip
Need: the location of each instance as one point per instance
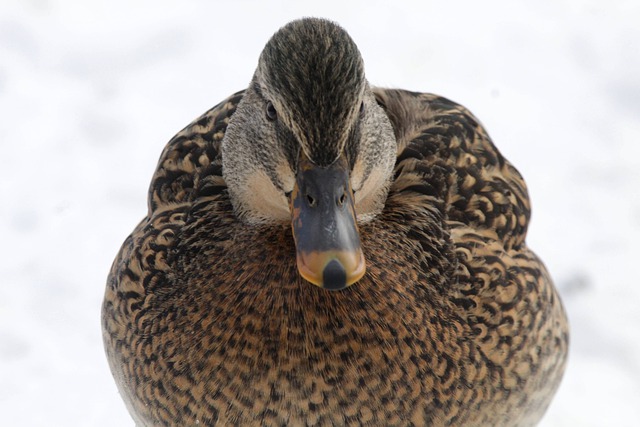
(332, 271)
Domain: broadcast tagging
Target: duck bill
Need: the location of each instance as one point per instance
(328, 251)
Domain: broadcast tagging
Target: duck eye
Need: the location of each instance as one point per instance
(272, 114)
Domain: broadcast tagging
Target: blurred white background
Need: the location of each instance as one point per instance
(91, 91)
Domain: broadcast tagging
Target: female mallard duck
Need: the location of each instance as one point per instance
(396, 200)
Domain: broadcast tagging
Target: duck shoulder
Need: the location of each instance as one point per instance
(484, 190)
(190, 164)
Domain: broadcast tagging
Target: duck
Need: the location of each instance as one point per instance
(321, 251)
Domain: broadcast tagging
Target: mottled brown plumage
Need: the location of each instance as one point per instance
(207, 321)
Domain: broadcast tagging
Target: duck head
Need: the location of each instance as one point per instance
(310, 146)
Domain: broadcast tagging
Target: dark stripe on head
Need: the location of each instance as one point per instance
(314, 72)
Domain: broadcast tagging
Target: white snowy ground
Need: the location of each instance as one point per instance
(91, 91)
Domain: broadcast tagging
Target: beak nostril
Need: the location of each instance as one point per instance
(342, 199)
(311, 200)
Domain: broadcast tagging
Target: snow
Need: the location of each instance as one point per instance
(91, 91)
